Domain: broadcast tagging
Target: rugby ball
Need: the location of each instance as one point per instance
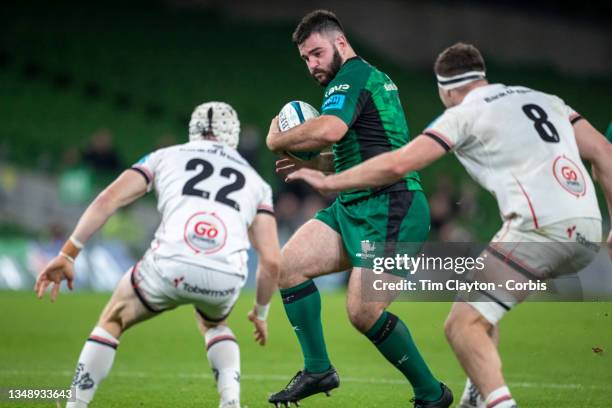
(293, 114)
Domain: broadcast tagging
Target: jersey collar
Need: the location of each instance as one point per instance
(355, 58)
(478, 92)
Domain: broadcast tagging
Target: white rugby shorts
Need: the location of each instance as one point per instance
(561, 248)
(162, 284)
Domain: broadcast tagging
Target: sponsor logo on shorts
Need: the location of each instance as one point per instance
(178, 280)
(207, 292)
(366, 248)
(581, 239)
(568, 175)
(205, 232)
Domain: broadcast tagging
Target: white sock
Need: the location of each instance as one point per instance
(500, 398)
(224, 358)
(94, 364)
(471, 397)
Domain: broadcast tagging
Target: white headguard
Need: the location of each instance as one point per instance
(218, 119)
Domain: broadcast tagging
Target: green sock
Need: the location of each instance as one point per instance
(392, 338)
(303, 307)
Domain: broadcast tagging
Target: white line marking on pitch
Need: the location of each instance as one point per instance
(278, 377)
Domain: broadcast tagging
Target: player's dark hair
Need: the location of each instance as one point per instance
(318, 21)
(459, 59)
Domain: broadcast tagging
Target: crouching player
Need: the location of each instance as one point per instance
(212, 202)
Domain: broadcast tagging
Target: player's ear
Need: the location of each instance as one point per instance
(453, 96)
(443, 96)
(341, 41)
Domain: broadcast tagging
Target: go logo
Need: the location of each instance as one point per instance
(206, 229)
(205, 232)
(568, 175)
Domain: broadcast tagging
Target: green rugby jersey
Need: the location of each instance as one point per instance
(368, 102)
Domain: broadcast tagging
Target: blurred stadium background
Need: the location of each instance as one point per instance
(87, 88)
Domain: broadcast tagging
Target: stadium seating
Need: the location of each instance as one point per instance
(68, 72)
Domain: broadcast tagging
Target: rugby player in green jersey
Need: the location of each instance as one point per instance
(548, 230)
(361, 117)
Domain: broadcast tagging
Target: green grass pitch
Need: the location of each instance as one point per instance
(547, 349)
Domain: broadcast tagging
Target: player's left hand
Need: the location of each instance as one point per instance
(261, 328)
(272, 132)
(317, 179)
(54, 273)
(287, 165)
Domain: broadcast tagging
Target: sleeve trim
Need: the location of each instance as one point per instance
(441, 139)
(143, 172)
(575, 118)
(265, 207)
(265, 211)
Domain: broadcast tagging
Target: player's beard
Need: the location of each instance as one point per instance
(331, 71)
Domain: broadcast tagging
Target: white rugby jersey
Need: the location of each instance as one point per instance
(519, 144)
(208, 196)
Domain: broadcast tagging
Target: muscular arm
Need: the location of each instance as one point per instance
(125, 189)
(264, 237)
(314, 134)
(378, 171)
(128, 187)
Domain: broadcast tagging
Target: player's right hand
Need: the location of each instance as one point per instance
(55, 272)
(261, 328)
(315, 178)
(272, 134)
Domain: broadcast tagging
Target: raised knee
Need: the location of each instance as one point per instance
(353, 316)
(290, 273)
(362, 318)
(285, 278)
(451, 327)
(457, 323)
